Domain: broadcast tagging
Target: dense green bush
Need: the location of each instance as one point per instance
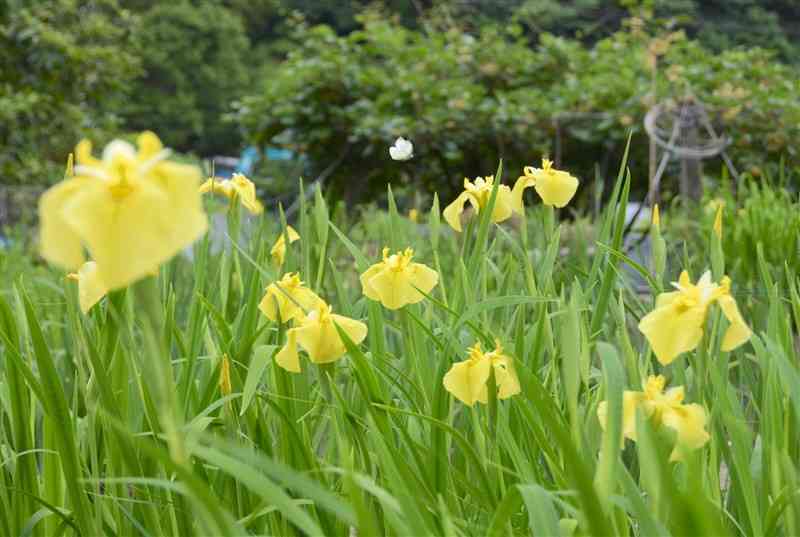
(64, 68)
(466, 99)
(195, 59)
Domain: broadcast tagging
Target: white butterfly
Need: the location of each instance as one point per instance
(402, 149)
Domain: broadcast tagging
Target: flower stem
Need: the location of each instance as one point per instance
(158, 367)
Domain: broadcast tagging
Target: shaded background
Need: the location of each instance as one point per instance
(335, 82)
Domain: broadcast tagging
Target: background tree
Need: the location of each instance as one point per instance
(65, 67)
(195, 59)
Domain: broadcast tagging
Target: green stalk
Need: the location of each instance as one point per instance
(158, 366)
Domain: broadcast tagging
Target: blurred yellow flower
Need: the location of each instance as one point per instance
(288, 299)
(664, 409)
(676, 324)
(396, 281)
(225, 376)
(467, 380)
(656, 217)
(238, 188)
(478, 193)
(718, 222)
(90, 288)
(131, 210)
(278, 251)
(317, 335)
(413, 215)
(555, 187)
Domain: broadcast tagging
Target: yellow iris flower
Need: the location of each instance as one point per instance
(238, 188)
(664, 409)
(131, 210)
(317, 335)
(288, 298)
(278, 251)
(676, 324)
(555, 187)
(477, 193)
(467, 380)
(90, 288)
(396, 281)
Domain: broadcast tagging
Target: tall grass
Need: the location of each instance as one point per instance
(115, 423)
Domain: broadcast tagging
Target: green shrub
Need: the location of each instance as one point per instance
(65, 66)
(466, 99)
(195, 59)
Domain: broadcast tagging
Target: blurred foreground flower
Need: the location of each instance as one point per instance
(90, 288)
(467, 380)
(288, 299)
(278, 251)
(317, 335)
(402, 149)
(555, 187)
(131, 210)
(238, 188)
(664, 409)
(478, 193)
(396, 281)
(676, 324)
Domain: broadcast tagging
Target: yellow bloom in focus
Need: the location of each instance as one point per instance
(676, 324)
(237, 187)
(396, 281)
(90, 288)
(288, 299)
(555, 187)
(478, 193)
(317, 335)
(664, 409)
(131, 210)
(467, 380)
(278, 251)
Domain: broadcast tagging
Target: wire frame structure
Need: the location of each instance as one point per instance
(682, 130)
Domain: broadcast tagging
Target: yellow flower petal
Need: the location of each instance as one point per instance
(396, 281)
(132, 211)
(288, 299)
(523, 182)
(556, 189)
(320, 339)
(278, 251)
(452, 213)
(738, 332)
(366, 277)
(689, 422)
(287, 357)
(467, 381)
(90, 288)
(60, 244)
(246, 192)
(672, 330)
(503, 204)
(505, 377)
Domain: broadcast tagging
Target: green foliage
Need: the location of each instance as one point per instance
(65, 66)
(466, 99)
(195, 60)
(373, 444)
